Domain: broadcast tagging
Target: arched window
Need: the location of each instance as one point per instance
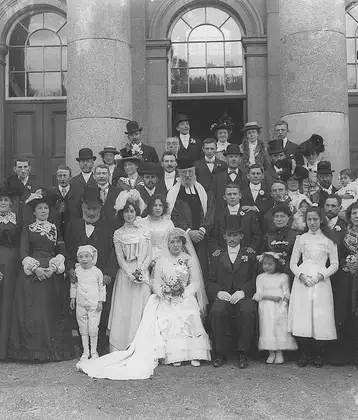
(206, 53)
(38, 57)
(352, 47)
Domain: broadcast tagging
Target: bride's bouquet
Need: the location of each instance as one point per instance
(351, 263)
(138, 276)
(172, 288)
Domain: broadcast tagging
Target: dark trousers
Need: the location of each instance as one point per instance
(309, 346)
(221, 316)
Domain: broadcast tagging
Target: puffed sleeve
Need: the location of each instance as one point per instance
(333, 260)
(295, 257)
(58, 263)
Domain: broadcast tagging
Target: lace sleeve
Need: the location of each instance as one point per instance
(118, 246)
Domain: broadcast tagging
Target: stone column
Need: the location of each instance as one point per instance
(3, 53)
(313, 74)
(256, 82)
(157, 93)
(99, 97)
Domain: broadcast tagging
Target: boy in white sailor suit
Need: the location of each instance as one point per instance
(88, 295)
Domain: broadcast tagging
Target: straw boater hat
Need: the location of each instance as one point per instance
(109, 149)
(251, 125)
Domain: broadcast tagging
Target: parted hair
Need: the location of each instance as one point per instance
(324, 226)
(153, 199)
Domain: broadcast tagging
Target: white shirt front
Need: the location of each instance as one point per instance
(25, 181)
(255, 189)
(133, 179)
(86, 177)
(327, 190)
(233, 210)
(89, 229)
(284, 142)
(89, 289)
(233, 252)
(210, 163)
(233, 176)
(150, 192)
(64, 190)
(332, 222)
(185, 139)
(111, 170)
(252, 148)
(169, 179)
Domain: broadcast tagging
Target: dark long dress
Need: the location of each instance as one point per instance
(40, 330)
(9, 266)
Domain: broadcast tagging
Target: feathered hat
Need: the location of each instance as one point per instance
(132, 196)
(224, 122)
(313, 144)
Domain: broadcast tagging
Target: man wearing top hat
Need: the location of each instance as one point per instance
(234, 174)
(92, 229)
(150, 172)
(188, 145)
(230, 288)
(277, 156)
(290, 148)
(209, 165)
(86, 161)
(135, 147)
(192, 209)
(110, 156)
(324, 183)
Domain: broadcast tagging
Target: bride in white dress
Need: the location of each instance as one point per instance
(171, 330)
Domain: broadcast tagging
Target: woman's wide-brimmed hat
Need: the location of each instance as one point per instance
(223, 123)
(251, 125)
(41, 196)
(324, 167)
(299, 172)
(314, 144)
(233, 149)
(133, 127)
(150, 168)
(85, 153)
(12, 187)
(134, 159)
(109, 149)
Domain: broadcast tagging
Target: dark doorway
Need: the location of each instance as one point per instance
(204, 112)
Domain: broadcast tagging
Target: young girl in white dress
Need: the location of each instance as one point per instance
(311, 311)
(273, 295)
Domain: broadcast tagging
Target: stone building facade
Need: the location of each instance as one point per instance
(73, 73)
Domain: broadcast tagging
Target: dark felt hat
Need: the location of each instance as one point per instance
(275, 147)
(232, 224)
(109, 149)
(133, 127)
(324, 167)
(233, 149)
(85, 154)
(185, 162)
(150, 168)
(42, 195)
(180, 118)
(91, 196)
(11, 189)
(313, 144)
(300, 173)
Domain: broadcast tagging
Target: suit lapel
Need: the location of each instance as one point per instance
(226, 261)
(238, 261)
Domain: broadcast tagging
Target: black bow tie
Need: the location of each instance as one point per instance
(232, 172)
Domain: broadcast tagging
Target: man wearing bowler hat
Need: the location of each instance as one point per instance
(188, 145)
(233, 175)
(230, 288)
(135, 147)
(324, 183)
(93, 230)
(86, 161)
(151, 172)
(110, 156)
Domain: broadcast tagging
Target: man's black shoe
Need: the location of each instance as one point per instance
(242, 361)
(219, 361)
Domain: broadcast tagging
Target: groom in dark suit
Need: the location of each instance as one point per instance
(230, 289)
(93, 230)
(209, 165)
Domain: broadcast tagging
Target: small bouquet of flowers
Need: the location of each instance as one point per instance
(172, 288)
(137, 150)
(138, 276)
(352, 261)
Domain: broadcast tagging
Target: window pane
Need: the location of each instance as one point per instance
(195, 17)
(63, 35)
(351, 50)
(32, 23)
(216, 80)
(215, 54)
(16, 85)
(197, 81)
(179, 81)
(215, 16)
(179, 55)
(206, 33)
(35, 84)
(53, 21)
(64, 83)
(180, 32)
(197, 55)
(34, 59)
(351, 26)
(352, 77)
(19, 35)
(234, 79)
(233, 54)
(52, 58)
(53, 84)
(44, 37)
(231, 30)
(16, 59)
(64, 58)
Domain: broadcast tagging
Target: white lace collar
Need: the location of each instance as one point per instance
(44, 228)
(10, 217)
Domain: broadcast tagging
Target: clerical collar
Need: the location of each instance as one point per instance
(190, 190)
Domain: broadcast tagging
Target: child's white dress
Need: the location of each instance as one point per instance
(352, 189)
(273, 316)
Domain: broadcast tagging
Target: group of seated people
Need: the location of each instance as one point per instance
(218, 248)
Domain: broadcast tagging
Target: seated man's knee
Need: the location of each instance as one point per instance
(219, 308)
(246, 305)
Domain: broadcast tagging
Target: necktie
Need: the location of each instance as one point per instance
(63, 191)
(103, 195)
